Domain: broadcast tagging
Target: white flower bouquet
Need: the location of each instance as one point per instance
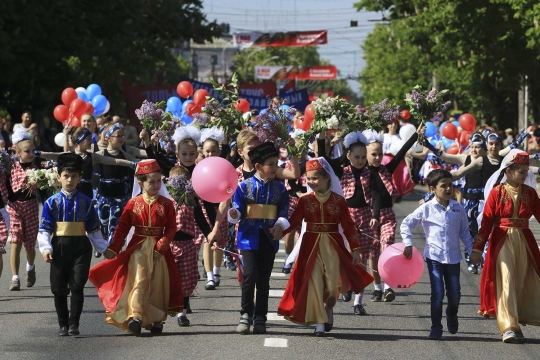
(44, 178)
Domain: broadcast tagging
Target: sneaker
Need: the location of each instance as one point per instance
(259, 325)
(389, 295)
(183, 321)
(244, 324)
(15, 285)
(435, 334)
(347, 297)
(473, 269)
(231, 266)
(452, 324)
(377, 296)
(509, 337)
(73, 330)
(63, 331)
(135, 327)
(31, 277)
(210, 285)
(217, 279)
(359, 310)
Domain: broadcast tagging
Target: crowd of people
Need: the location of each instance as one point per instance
(333, 205)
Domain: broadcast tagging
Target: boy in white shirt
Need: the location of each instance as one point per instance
(445, 223)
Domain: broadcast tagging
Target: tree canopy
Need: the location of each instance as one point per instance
(480, 50)
(48, 45)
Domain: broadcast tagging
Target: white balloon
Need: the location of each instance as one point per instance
(247, 116)
(396, 146)
(107, 107)
(59, 139)
(407, 131)
(417, 148)
(80, 88)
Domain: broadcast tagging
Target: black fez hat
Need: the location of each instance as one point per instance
(71, 161)
(260, 153)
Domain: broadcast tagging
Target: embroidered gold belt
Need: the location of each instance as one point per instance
(513, 223)
(70, 229)
(148, 231)
(322, 227)
(262, 211)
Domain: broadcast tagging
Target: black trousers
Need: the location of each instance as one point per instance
(69, 273)
(258, 265)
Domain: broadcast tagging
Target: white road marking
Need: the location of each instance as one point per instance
(276, 293)
(274, 274)
(279, 260)
(281, 251)
(275, 342)
(274, 317)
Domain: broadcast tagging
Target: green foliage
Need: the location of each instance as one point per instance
(46, 46)
(480, 50)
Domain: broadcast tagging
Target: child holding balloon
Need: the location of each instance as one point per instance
(445, 223)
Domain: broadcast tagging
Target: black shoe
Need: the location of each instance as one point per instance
(156, 330)
(231, 266)
(328, 327)
(210, 285)
(63, 331)
(330, 324)
(452, 324)
(319, 333)
(135, 327)
(359, 310)
(389, 295)
(347, 297)
(74, 330)
(183, 321)
(286, 269)
(377, 296)
(97, 254)
(217, 280)
(259, 327)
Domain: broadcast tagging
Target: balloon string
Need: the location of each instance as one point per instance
(374, 238)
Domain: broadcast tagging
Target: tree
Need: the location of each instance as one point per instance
(244, 63)
(50, 45)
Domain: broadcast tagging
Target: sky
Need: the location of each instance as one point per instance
(343, 49)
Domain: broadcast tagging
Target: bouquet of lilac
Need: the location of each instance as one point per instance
(5, 160)
(376, 117)
(156, 121)
(273, 126)
(424, 105)
(181, 190)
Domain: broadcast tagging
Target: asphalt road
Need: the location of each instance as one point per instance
(396, 330)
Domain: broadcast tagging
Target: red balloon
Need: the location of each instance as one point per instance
(450, 131)
(199, 98)
(185, 89)
(61, 113)
(89, 108)
(74, 121)
(467, 122)
(453, 149)
(303, 123)
(68, 95)
(192, 109)
(464, 138)
(405, 115)
(309, 114)
(77, 107)
(242, 105)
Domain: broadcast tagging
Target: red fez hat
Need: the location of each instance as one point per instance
(147, 166)
(313, 165)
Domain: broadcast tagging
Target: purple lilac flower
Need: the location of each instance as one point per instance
(202, 119)
(445, 106)
(431, 96)
(213, 107)
(148, 111)
(5, 160)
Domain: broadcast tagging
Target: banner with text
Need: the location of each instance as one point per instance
(328, 72)
(296, 38)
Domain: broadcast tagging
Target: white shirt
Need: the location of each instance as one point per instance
(443, 226)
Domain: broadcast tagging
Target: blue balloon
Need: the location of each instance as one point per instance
(185, 104)
(81, 95)
(186, 119)
(447, 142)
(433, 141)
(99, 102)
(263, 111)
(456, 123)
(174, 104)
(92, 91)
(431, 129)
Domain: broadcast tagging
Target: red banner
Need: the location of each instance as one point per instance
(316, 73)
(297, 38)
(315, 95)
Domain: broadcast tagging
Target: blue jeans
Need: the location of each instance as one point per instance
(441, 275)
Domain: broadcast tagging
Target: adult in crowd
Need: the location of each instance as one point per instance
(130, 132)
(27, 125)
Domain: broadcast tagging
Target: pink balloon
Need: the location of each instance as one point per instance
(214, 179)
(396, 270)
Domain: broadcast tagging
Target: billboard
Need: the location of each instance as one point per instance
(296, 38)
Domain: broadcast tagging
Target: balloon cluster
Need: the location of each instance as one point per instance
(452, 138)
(79, 101)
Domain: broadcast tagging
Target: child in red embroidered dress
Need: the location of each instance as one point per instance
(324, 265)
(23, 211)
